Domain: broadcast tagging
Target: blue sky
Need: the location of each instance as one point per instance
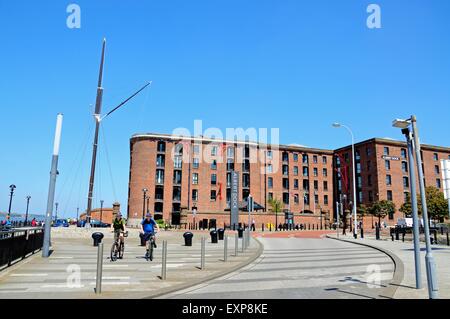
(294, 65)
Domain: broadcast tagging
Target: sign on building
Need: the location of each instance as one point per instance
(234, 204)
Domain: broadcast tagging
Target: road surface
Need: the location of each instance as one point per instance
(302, 268)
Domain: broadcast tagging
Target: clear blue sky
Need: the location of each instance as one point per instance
(295, 65)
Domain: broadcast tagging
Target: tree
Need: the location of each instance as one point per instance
(406, 207)
(362, 211)
(382, 208)
(277, 206)
(436, 203)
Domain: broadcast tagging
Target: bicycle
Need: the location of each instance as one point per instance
(118, 247)
(149, 252)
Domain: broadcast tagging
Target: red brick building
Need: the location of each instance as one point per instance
(194, 173)
(382, 172)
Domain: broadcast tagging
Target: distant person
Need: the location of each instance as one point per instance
(253, 225)
(33, 222)
(118, 227)
(8, 223)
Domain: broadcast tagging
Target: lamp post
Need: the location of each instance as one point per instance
(101, 210)
(355, 226)
(144, 190)
(11, 194)
(429, 259)
(28, 205)
(148, 204)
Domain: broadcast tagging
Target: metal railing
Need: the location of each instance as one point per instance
(16, 244)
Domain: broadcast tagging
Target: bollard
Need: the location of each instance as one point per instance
(377, 233)
(243, 244)
(448, 239)
(236, 245)
(202, 257)
(435, 237)
(225, 248)
(262, 227)
(362, 232)
(164, 261)
(397, 235)
(403, 235)
(98, 285)
(270, 227)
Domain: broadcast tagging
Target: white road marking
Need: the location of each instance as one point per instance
(115, 266)
(113, 283)
(28, 275)
(168, 266)
(61, 257)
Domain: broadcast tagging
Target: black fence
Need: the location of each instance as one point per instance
(16, 244)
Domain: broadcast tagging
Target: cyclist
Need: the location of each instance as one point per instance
(118, 226)
(148, 230)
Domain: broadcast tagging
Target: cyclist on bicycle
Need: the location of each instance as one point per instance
(118, 226)
(148, 230)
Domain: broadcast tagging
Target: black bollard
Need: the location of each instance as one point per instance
(377, 233)
(448, 239)
(362, 232)
(397, 235)
(262, 227)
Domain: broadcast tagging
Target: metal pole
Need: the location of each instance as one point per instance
(225, 248)
(412, 180)
(429, 259)
(337, 219)
(164, 261)
(355, 221)
(236, 245)
(143, 202)
(11, 194)
(202, 257)
(98, 111)
(243, 243)
(51, 188)
(101, 210)
(98, 284)
(56, 211)
(26, 214)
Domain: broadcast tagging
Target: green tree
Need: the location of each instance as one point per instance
(436, 203)
(362, 211)
(382, 208)
(277, 207)
(406, 207)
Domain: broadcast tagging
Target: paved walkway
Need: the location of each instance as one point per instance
(303, 268)
(405, 252)
(70, 271)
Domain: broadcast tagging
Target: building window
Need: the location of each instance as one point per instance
(316, 199)
(405, 182)
(369, 180)
(160, 176)
(325, 185)
(285, 157)
(295, 183)
(270, 196)
(387, 165)
(436, 169)
(305, 185)
(386, 151)
(246, 166)
(195, 195)
(195, 162)
(214, 151)
(213, 195)
(436, 156)
(286, 198)
(315, 159)
(246, 151)
(161, 147)
(178, 162)
(325, 172)
(315, 171)
(196, 149)
(295, 170)
(285, 183)
(370, 196)
(245, 180)
(296, 201)
(368, 151)
(405, 197)
(306, 199)
(404, 167)
(325, 199)
(388, 180)
(160, 160)
(269, 154)
(213, 179)
(316, 185)
(358, 155)
(176, 193)
(403, 152)
(389, 195)
(295, 157)
(360, 196)
(230, 164)
(285, 170)
(195, 178)
(230, 151)
(438, 183)
(305, 158)
(324, 159)
(177, 177)
(214, 165)
(359, 181)
(305, 171)
(270, 182)
(269, 168)
(358, 168)
(228, 179)
(369, 165)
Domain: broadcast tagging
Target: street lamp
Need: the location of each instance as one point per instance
(101, 210)
(338, 125)
(28, 204)
(414, 144)
(11, 194)
(144, 190)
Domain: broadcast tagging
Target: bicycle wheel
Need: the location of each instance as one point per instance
(121, 250)
(114, 252)
(150, 251)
